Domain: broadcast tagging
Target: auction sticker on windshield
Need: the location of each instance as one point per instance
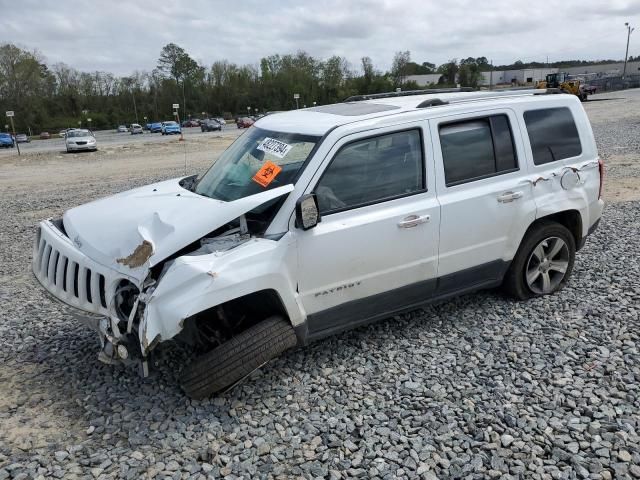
(267, 173)
(274, 147)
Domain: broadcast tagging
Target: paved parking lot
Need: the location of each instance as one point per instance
(477, 387)
(110, 138)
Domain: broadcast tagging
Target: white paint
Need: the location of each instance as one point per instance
(364, 248)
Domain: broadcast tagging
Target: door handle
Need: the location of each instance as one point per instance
(509, 197)
(413, 221)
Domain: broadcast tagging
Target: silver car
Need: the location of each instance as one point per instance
(136, 129)
(80, 139)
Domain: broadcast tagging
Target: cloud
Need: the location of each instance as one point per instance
(122, 36)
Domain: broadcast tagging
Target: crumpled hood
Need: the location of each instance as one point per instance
(135, 230)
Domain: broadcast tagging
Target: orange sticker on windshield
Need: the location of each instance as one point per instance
(267, 173)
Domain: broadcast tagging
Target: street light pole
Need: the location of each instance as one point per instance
(626, 55)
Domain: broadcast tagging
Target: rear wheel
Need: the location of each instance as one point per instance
(230, 362)
(544, 262)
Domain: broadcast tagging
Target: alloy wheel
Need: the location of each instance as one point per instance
(547, 265)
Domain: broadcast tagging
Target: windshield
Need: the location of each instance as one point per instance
(170, 124)
(78, 133)
(257, 161)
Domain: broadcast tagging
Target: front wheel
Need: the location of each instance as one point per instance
(543, 263)
(227, 364)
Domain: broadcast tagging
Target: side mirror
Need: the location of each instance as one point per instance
(307, 212)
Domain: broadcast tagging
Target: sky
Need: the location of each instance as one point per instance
(121, 36)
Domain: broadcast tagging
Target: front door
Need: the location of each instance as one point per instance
(375, 249)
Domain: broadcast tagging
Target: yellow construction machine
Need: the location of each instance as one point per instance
(564, 82)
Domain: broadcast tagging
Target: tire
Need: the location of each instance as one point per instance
(545, 277)
(229, 363)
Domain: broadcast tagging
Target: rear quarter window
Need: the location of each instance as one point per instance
(553, 134)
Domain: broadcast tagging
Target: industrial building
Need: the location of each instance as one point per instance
(529, 76)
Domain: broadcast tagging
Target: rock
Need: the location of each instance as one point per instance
(61, 455)
(624, 456)
(263, 449)
(506, 440)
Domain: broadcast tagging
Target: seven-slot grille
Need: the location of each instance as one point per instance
(71, 280)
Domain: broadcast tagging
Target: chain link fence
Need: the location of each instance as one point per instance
(608, 84)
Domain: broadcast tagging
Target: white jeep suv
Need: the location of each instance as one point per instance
(318, 220)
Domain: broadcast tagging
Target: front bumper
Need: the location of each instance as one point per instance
(77, 148)
(78, 281)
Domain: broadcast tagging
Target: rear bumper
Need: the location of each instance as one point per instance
(592, 229)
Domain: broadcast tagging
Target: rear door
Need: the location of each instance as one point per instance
(375, 249)
(486, 203)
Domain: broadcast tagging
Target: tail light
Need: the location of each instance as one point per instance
(601, 170)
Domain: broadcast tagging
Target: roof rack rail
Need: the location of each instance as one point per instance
(406, 93)
(433, 102)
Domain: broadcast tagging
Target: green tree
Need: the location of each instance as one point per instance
(399, 67)
(469, 71)
(449, 72)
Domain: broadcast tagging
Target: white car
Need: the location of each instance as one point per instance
(319, 220)
(136, 129)
(80, 139)
(220, 120)
(122, 129)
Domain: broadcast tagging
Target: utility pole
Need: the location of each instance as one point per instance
(184, 104)
(135, 109)
(626, 55)
(491, 75)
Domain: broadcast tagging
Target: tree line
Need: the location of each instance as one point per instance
(51, 97)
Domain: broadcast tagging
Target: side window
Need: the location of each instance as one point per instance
(553, 134)
(476, 149)
(373, 169)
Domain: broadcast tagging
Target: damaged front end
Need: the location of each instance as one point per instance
(108, 258)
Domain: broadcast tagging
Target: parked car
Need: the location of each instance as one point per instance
(220, 120)
(63, 133)
(22, 138)
(314, 222)
(80, 139)
(210, 125)
(170, 128)
(155, 127)
(7, 140)
(122, 129)
(245, 122)
(136, 129)
(45, 136)
(191, 123)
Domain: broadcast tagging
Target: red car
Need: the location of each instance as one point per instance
(245, 122)
(45, 136)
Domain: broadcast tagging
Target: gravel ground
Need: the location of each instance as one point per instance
(478, 387)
